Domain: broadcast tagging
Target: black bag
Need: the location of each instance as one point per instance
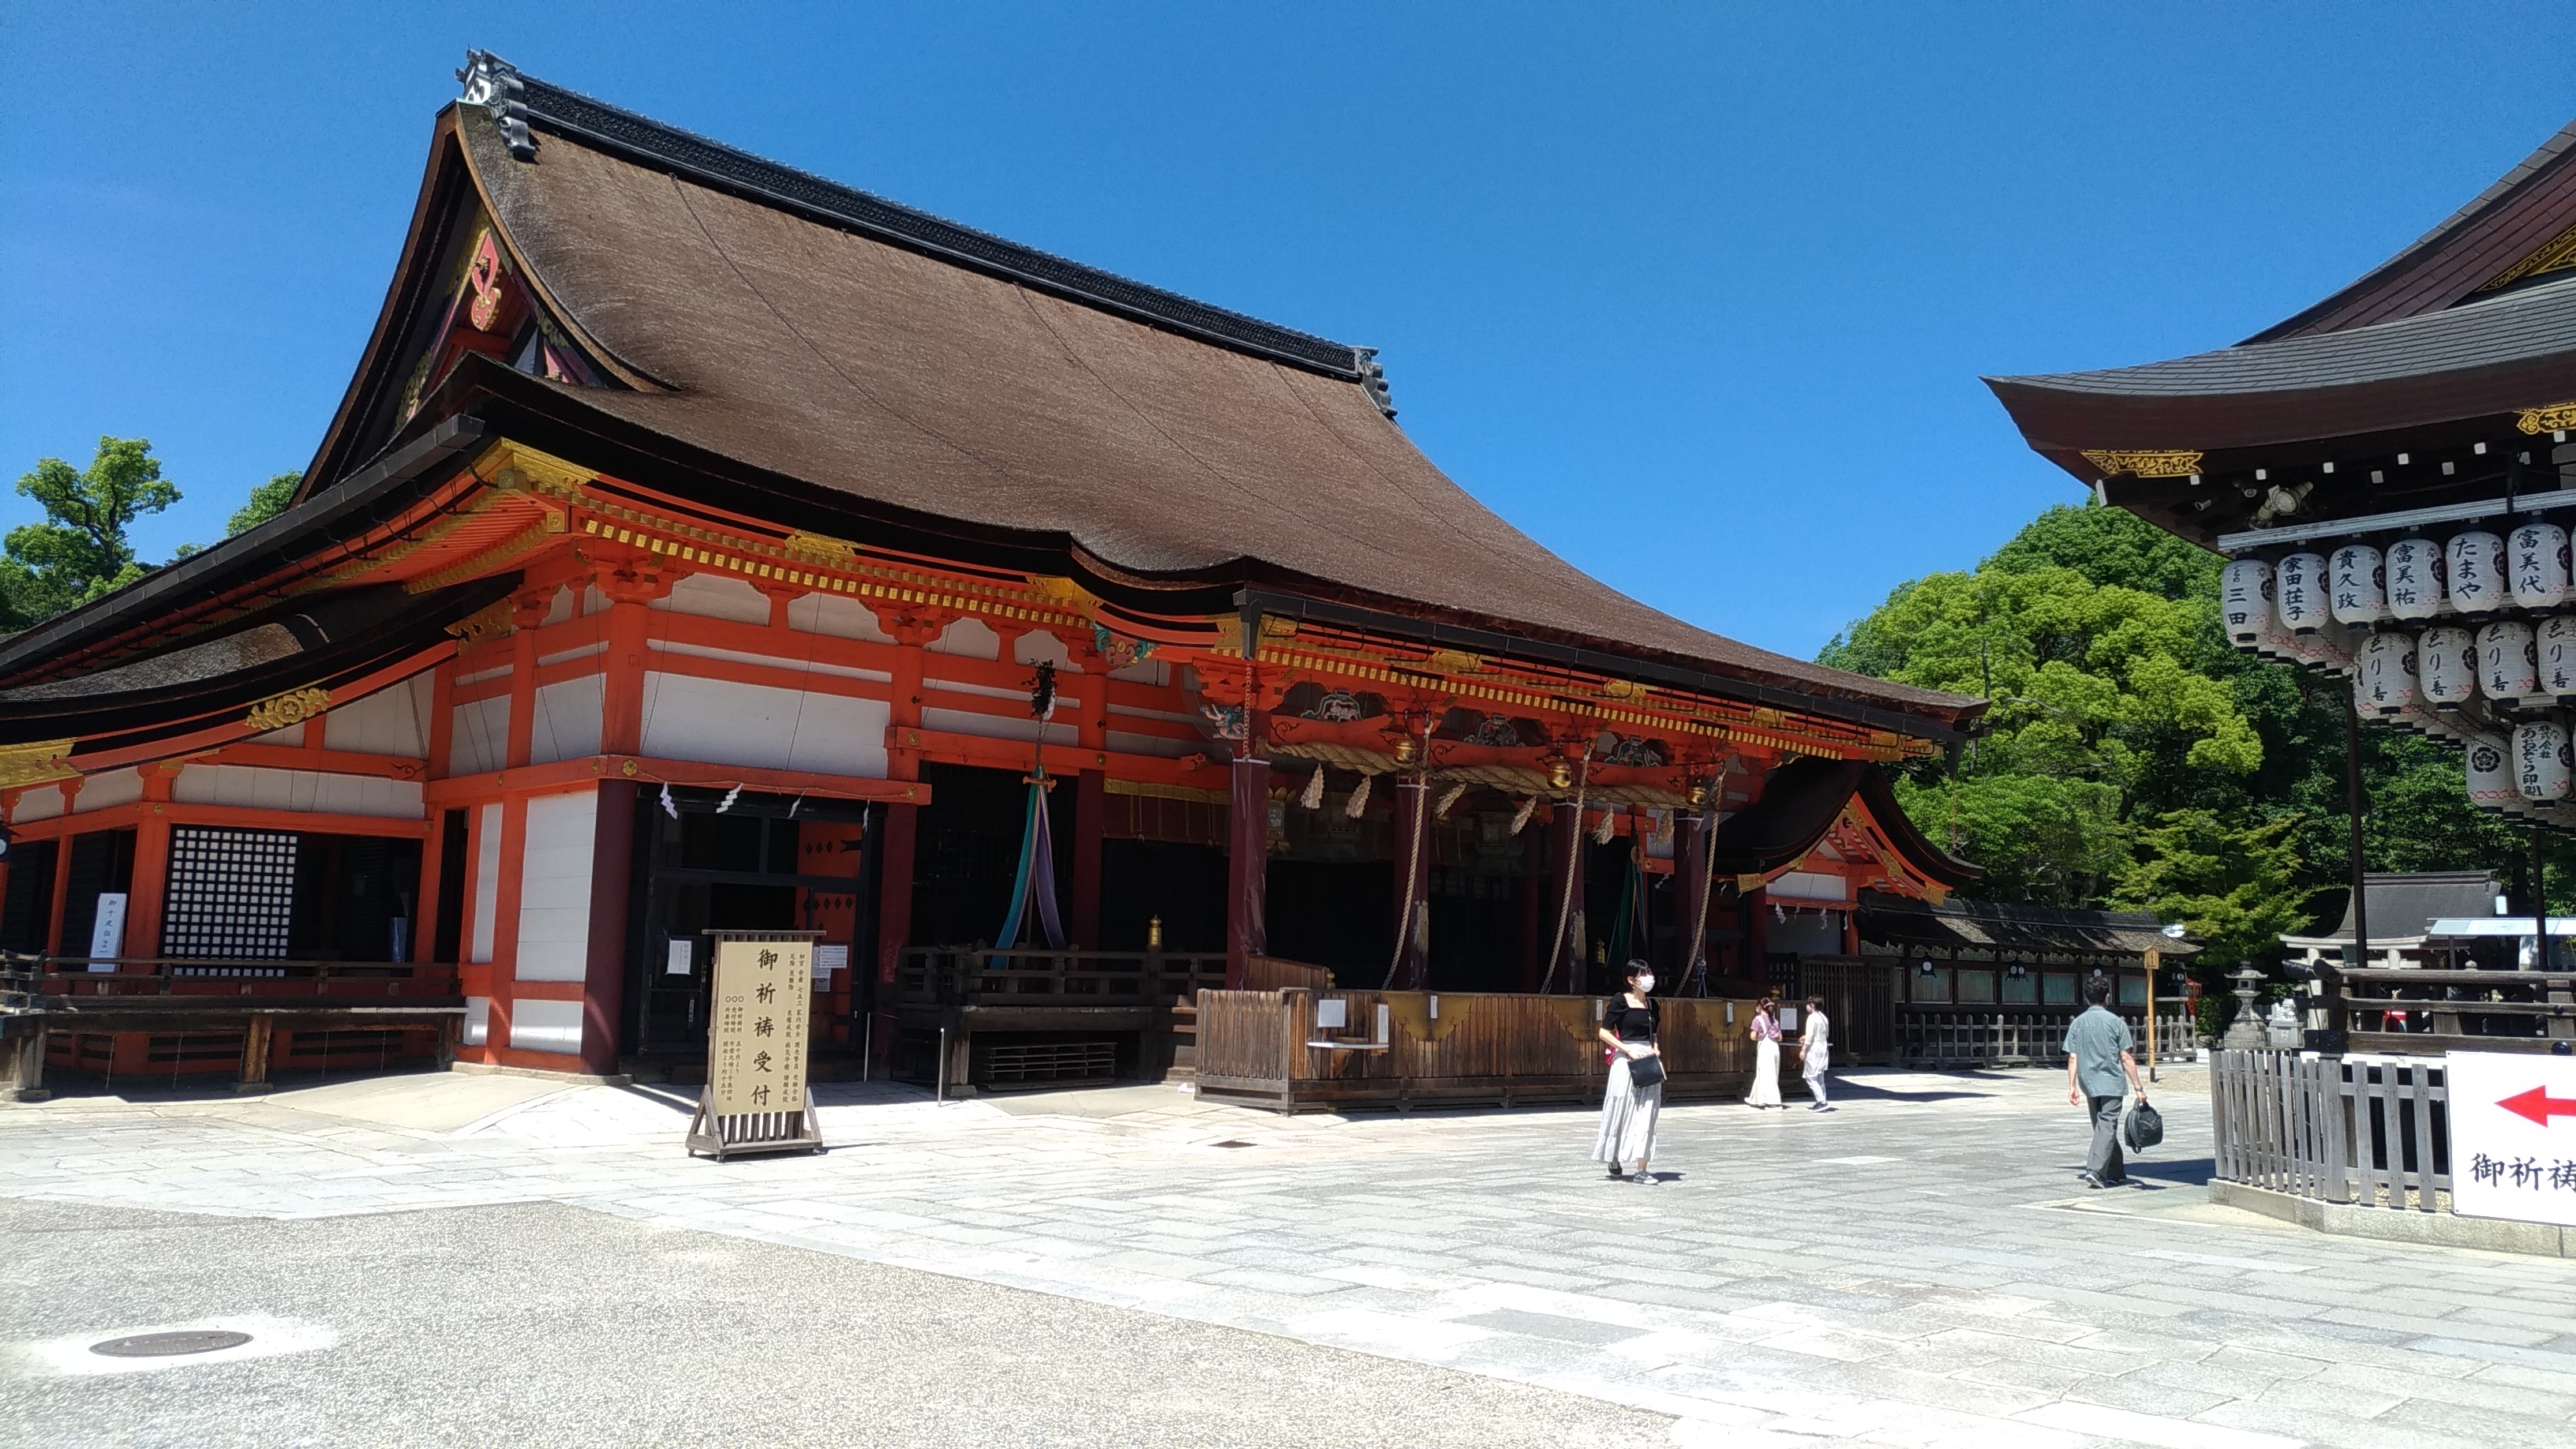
(2143, 1128)
(1644, 1072)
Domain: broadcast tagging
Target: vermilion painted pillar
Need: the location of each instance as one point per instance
(622, 673)
(62, 876)
(150, 884)
(903, 762)
(523, 675)
(1090, 804)
(1247, 866)
(604, 978)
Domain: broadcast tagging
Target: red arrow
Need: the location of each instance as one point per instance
(2539, 1106)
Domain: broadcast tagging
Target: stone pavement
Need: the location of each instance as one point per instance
(1918, 1268)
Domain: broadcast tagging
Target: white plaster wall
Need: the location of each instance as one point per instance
(971, 637)
(773, 661)
(559, 606)
(392, 721)
(478, 1020)
(260, 788)
(478, 738)
(1808, 885)
(40, 802)
(554, 892)
(108, 790)
(546, 1026)
(1145, 671)
(717, 722)
(837, 615)
(567, 719)
(716, 596)
(487, 878)
(1041, 646)
(1163, 745)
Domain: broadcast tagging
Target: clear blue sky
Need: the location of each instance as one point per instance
(1698, 296)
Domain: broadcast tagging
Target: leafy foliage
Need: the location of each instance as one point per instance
(266, 501)
(79, 550)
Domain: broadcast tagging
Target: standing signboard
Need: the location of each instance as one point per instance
(2513, 1136)
(755, 1099)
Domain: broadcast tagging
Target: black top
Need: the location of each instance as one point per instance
(1632, 1023)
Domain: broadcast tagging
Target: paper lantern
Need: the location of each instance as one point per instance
(2415, 573)
(2383, 683)
(2356, 590)
(2543, 766)
(2508, 667)
(2474, 563)
(2490, 772)
(2555, 638)
(2245, 600)
(2536, 565)
(2446, 665)
(2329, 646)
(2299, 591)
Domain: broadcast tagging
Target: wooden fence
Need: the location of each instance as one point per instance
(2372, 1131)
(1026, 976)
(1301, 1049)
(1951, 1036)
(2407, 1010)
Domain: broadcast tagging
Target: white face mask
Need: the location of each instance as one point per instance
(1645, 983)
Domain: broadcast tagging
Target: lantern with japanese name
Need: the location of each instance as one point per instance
(2543, 766)
(2446, 666)
(2555, 638)
(2536, 565)
(2299, 591)
(2475, 564)
(2245, 599)
(2356, 590)
(2415, 573)
(2507, 666)
(2490, 770)
(2383, 683)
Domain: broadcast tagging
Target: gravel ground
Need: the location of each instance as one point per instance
(541, 1324)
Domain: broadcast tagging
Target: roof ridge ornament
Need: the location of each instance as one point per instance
(494, 84)
(1373, 379)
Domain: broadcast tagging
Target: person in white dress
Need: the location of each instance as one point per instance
(1766, 1055)
(1816, 1053)
(1629, 1107)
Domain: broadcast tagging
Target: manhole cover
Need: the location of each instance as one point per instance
(1232, 1142)
(164, 1345)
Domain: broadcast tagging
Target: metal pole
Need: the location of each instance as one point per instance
(939, 1092)
(2353, 805)
(2155, 959)
(2539, 907)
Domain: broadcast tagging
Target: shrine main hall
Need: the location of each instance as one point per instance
(702, 545)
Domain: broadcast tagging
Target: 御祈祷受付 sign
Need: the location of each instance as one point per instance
(2513, 1136)
(756, 1048)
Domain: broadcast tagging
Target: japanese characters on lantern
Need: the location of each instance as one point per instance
(2383, 679)
(2446, 665)
(2536, 560)
(2474, 562)
(2416, 572)
(2245, 600)
(2508, 666)
(2544, 765)
(2299, 591)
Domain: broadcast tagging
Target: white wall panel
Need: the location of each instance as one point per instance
(41, 802)
(716, 722)
(478, 1021)
(554, 890)
(392, 721)
(837, 615)
(546, 1026)
(792, 666)
(478, 738)
(716, 596)
(567, 720)
(487, 879)
(259, 788)
(997, 726)
(1042, 646)
(1163, 745)
(108, 790)
(971, 637)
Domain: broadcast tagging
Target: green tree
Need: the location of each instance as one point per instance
(2233, 885)
(79, 550)
(266, 501)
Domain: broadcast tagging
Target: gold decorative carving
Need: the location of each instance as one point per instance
(2555, 418)
(2168, 463)
(293, 707)
(1623, 689)
(2555, 255)
(1457, 661)
(491, 622)
(517, 468)
(35, 762)
(1274, 626)
(820, 548)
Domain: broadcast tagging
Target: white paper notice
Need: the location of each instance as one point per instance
(681, 958)
(2513, 1135)
(828, 959)
(107, 937)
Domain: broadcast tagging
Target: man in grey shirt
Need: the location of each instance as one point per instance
(2100, 1069)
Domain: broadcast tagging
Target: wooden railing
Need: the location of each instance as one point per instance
(2335, 1129)
(976, 976)
(2500, 1011)
(1988, 1036)
(1402, 1048)
(38, 982)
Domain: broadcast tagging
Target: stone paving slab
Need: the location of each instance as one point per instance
(1917, 1268)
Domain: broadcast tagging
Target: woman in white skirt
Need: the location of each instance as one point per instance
(1628, 1107)
(1816, 1053)
(1766, 1055)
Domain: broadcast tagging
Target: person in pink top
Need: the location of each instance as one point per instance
(1766, 1055)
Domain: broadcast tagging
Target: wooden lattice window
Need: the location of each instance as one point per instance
(231, 893)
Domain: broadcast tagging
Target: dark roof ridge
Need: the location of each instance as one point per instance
(520, 102)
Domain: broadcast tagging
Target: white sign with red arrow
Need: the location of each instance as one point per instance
(2513, 1136)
